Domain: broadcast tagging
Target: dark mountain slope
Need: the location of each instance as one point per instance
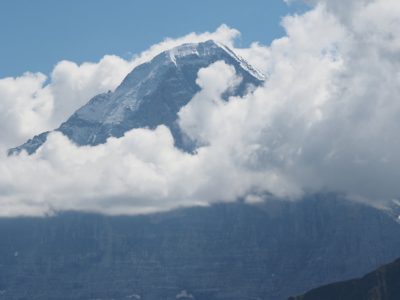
(382, 284)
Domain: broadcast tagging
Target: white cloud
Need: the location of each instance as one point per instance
(198, 117)
(326, 119)
(24, 106)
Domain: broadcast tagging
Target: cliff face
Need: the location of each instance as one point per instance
(382, 284)
(227, 251)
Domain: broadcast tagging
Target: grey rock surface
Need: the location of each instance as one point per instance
(151, 95)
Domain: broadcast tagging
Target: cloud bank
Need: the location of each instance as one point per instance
(327, 119)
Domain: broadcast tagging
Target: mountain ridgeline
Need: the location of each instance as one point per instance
(150, 95)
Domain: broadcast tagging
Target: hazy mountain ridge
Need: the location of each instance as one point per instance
(226, 251)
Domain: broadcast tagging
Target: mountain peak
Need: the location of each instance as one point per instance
(207, 48)
(150, 95)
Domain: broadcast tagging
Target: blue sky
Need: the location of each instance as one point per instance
(35, 35)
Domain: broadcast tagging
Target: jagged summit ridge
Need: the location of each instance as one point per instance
(150, 95)
(243, 63)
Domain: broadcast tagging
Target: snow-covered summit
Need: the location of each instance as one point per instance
(210, 47)
(150, 95)
(182, 51)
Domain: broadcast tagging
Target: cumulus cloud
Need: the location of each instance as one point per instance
(24, 106)
(327, 118)
(331, 100)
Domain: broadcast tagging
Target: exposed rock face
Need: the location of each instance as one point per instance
(382, 284)
(151, 95)
(227, 251)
